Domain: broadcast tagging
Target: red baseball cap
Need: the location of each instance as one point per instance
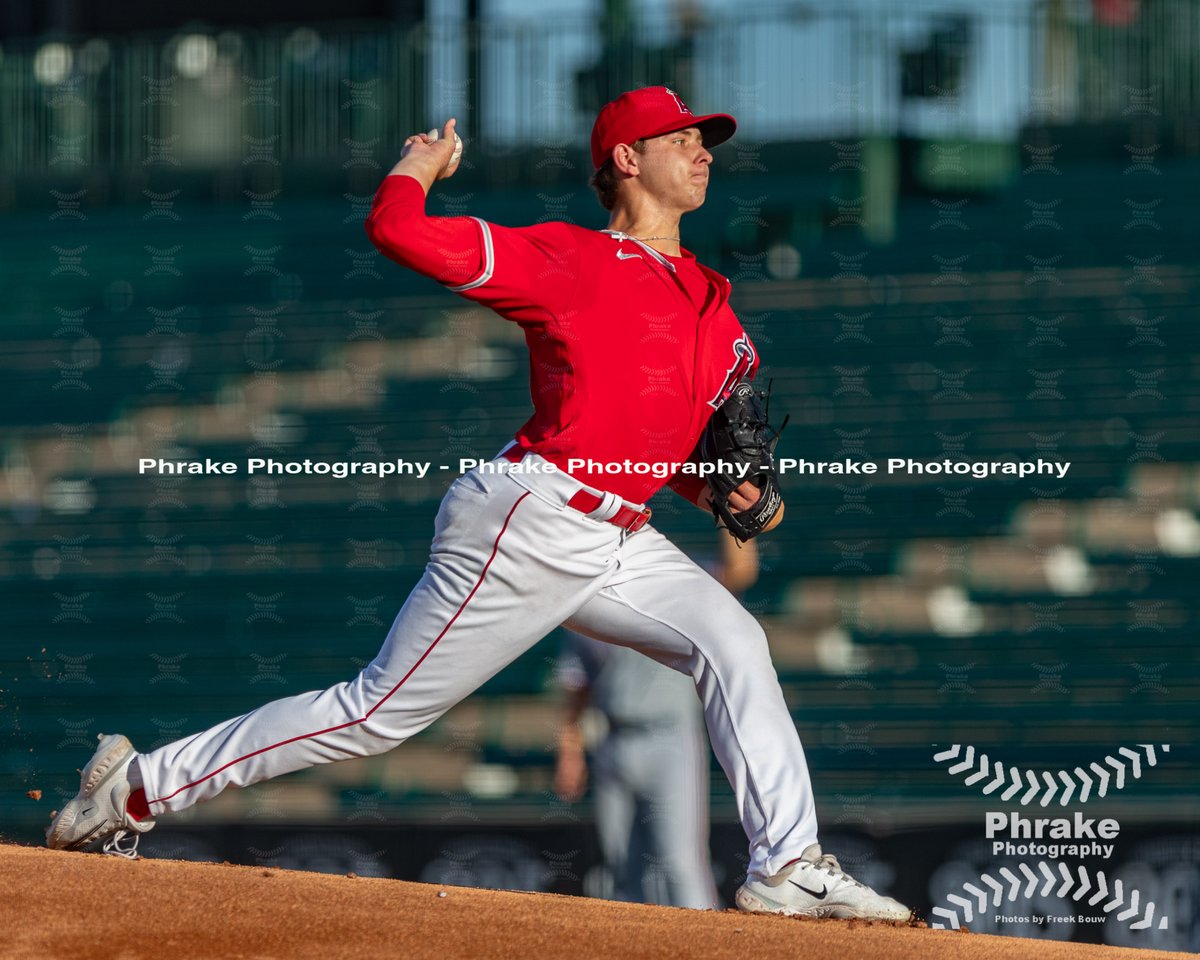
(651, 112)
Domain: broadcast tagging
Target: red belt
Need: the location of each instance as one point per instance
(627, 517)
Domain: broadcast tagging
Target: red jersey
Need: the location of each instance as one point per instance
(630, 350)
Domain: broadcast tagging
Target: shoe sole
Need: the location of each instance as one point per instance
(107, 758)
(749, 903)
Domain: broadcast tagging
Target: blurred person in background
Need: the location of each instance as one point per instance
(651, 762)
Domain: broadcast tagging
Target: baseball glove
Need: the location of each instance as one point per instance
(738, 436)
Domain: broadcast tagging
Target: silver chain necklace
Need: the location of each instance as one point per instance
(622, 233)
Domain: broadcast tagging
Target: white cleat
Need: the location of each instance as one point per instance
(97, 812)
(817, 886)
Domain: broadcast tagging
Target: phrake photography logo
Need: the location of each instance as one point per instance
(1038, 878)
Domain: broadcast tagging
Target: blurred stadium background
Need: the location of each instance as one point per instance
(956, 230)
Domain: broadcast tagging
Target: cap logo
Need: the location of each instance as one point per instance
(678, 100)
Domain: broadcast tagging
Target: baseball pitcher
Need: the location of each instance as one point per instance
(633, 347)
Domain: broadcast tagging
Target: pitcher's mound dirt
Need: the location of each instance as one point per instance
(73, 906)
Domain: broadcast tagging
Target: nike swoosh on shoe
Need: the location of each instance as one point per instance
(87, 838)
(812, 893)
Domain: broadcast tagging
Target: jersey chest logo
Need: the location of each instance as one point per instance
(743, 363)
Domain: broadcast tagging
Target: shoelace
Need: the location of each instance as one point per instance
(122, 844)
(829, 863)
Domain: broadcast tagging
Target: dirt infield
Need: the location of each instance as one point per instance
(64, 906)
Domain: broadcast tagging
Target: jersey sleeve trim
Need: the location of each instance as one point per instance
(489, 260)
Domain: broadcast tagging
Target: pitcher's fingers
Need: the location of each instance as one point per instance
(748, 493)
(738, 502)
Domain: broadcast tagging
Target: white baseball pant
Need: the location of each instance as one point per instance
(510, 561)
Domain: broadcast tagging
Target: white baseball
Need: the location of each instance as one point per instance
(435, 134)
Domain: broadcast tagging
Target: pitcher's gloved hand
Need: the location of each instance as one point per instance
(739, 436)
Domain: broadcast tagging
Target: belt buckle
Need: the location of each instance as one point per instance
(639, 521)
